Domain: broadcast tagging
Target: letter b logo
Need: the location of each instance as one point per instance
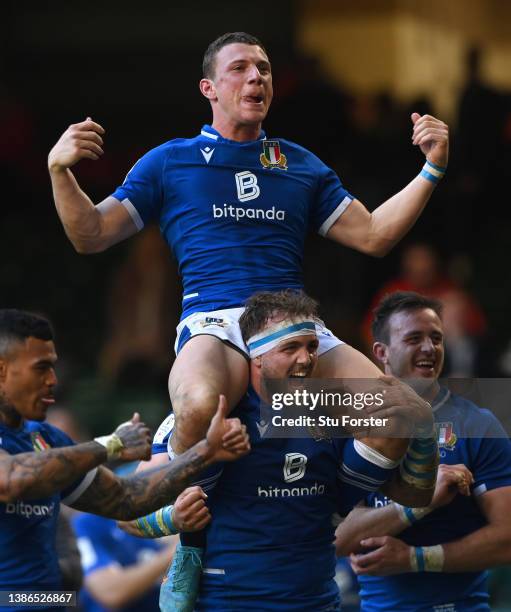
(246, 186)
(294, 466)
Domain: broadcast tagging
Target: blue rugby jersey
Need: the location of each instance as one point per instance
(270, 540)
(102, 543)
(235, 214)
(270, 543)
(489, 459)
(28, 558)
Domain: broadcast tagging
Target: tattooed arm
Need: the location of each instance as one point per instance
(33, 475)
(127, 498)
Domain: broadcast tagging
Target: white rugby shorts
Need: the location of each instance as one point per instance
(224, 325)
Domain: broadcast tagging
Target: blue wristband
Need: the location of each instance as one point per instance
(410, 515)
(435, 167)
(167, 517)
(427, 558)
(432, 172)
(419, 555)
(157, 524)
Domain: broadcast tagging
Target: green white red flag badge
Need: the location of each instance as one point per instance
(38, 442)
(446, 436)
(272, 157)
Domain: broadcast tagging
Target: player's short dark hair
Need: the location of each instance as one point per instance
(261, 307)
(208, 62)
(18, 325)
(398, 302)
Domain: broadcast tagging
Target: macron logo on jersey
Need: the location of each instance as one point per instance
(207, 152)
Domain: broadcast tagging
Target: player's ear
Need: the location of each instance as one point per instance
(207, 88)
(257, 361)
(381, 352)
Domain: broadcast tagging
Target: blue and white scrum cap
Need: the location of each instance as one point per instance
(273, 335)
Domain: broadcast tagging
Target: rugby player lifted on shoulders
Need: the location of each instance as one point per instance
(193, 188)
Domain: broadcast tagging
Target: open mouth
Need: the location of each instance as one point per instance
(253, 99)
(425, 365)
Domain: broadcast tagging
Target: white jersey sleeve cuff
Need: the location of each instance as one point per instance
(81, 488)
(373, 456)
(133, 212)
(482, 488)
(327, 224)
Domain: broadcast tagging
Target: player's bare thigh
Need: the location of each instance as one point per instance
(204, 368)
(344, 361)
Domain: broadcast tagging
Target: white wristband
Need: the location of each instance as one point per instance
(113, 445)
(427, 558)
(432, 172)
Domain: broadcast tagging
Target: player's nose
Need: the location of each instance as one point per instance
(254, 76)
(427, 345)
(51, 379)
(304, 356)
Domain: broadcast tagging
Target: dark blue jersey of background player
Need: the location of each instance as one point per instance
(235, 223)
(28, 558)
(102, 544)
(488, 457)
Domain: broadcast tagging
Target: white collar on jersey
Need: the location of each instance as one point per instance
(442, 396)
(210, 132)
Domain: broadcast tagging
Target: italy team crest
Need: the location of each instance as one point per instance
(272, 157)
(446, 436)
(38, 442)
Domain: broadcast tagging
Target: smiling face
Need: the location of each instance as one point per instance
(240, 91)
(293, 358)
(27, 379)
(416, 345)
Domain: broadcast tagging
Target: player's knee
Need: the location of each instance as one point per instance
(194, 408)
